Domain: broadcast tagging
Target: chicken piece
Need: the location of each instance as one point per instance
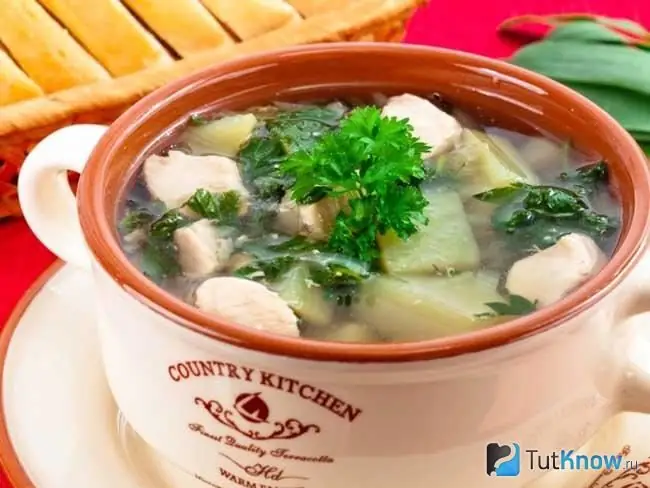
(306, 220)
(551, 274)
(247, 303)
(201, 250)
(430, 124)
(174, 178)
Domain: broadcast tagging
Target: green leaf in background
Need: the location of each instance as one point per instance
(606, 60)
(631, 109)
(612, 65)
(585, 31)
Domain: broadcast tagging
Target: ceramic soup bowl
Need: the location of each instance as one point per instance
(240, 407)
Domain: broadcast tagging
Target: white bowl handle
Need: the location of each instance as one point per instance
(634, 315)
(46, 199)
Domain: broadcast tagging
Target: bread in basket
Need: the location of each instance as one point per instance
(70, 61)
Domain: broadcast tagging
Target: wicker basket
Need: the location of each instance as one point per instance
(87, 61)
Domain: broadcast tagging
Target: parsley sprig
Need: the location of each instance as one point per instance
(376, 163)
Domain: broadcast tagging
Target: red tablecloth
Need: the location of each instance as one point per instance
(465, 25)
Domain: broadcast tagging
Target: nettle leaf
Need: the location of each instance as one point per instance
(515, 305)
(500, 195)
(223, 207)
(167, 223)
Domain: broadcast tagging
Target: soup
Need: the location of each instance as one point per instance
(400, 220)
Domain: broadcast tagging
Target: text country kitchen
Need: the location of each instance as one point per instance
(198, 369)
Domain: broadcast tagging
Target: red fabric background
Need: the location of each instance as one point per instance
(465, 25)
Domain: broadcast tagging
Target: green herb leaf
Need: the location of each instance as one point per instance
(516, 305)
(223, 207)
(158, 259)
(377, 163)
(500, 195)
(167, 223)
(300, 129)
(338, 276)
(260, 159)
(136, 219)
(535, 217)
(586, 179)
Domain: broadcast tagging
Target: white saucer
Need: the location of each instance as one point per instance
(60, 417)
(64, 430)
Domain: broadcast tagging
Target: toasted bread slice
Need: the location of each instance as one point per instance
(251, 18)
(110, 33)
(14, 84)
(183, 24)
(314, 7)
(43, 49)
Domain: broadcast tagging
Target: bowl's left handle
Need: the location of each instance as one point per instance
(46, 199)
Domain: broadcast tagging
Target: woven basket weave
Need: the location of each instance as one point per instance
(71, 61)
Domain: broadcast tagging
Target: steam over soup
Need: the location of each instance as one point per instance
(367, 223)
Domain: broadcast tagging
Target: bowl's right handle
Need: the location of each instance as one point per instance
(46, 199)
(633, 318)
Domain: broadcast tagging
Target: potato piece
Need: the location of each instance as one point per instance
(477, 167)
(446, 242)
(224, 137)
(305, 297)
(509, 156)
(418, 308)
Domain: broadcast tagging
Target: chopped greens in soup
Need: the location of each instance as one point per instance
(367, 223)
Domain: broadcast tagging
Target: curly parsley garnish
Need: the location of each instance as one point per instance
(376, 164)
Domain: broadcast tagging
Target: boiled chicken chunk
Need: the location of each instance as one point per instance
(174, 178)
(247, 303)
(201, 250)
(305, 220)
(430, 124)
(549, 275)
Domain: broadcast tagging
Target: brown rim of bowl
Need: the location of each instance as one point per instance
(102, 239)
(9, 461)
